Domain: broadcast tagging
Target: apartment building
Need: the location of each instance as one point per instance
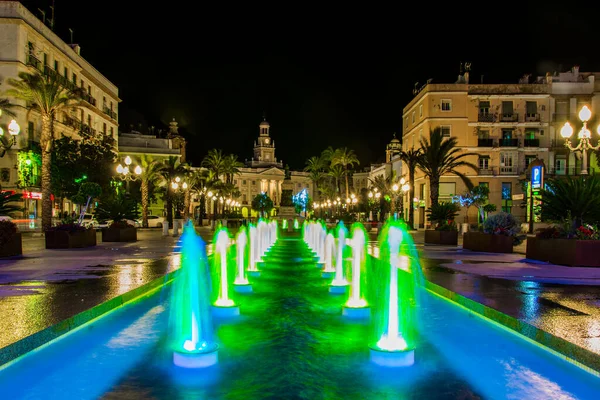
(29, 45)
(505, 127)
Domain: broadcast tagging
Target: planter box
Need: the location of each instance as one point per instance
(571, 252)
(119, 234)
(441, 237)
(66, 240)
(14, 247)
(479, 241)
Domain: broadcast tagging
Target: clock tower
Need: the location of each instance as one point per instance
(264, 148)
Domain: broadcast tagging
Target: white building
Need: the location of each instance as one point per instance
(28, 45)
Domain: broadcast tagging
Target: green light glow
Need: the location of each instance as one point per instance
(329, 250)
(241, 244)
(284, 224)
(253, 249)
(395, 321)
(340, 279)
(190, 319)
(356, 299)
(220, 260)
(296, 224)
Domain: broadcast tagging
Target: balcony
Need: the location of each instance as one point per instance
(87, 97)
(486, 117)
(508, 142)
(532, 118)
(110, 113)
(509, 117)
(531, 143)
(486, 171)
(34, 62)
(509, 170)
(570, 171)
(485, 142)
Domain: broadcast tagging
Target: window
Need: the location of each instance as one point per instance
(447, 189)
(560, 165)
(529, 160)
(507, 163)
(446, 105)
(484, 107)
(507, 134)
(111, 106)
(483, 134)
(421, 110)
(531, 108)
(82, 84)
(413, 116)
(56, 65)
(244, 198)
(254, 182)
(422, 192)
(104, 128)
(244, 182)
(66, 72)
(406, 122)
(445, 130)
(235, 181)
(112, 131)
(420, 134)
(75, 79)
(5, 174)
(484, 162)
(45, 59)
(530, 134)
(89, 120)
(30, 131)
(90, 90)
(506, 197)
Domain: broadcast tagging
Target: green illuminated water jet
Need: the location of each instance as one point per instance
(253, 256)
(296, 224)
(339, 283)
(357, 306)
(191, 328)
(329, 250)
(223, 305)
(241, 283)
(394, 322)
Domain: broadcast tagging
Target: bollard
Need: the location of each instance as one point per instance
(165, 229)
(175, 227)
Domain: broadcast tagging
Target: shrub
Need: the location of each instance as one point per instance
(120, 225)
(503, 224)
(8, 229)
(443, 214)
(67, 227)
(117, 208)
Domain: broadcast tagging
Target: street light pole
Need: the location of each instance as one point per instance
(584, 137)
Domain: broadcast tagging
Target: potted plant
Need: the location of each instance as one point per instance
(68, 235)
(444, 229)
(118, 209)
(574, 240)
(500, 233)
(10, 237)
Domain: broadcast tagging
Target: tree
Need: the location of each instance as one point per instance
(316, 167)
(149, 178)
(169, 169)
(573, 198)
(199, 181)
(411, 159)
(231, 167)
(9, 197)
(215, 161)
(478, 197)
(87, 192)
(262, 204)
(346, 158)
(48, 95)
(441, 157)
(337, 173)
(118, 207)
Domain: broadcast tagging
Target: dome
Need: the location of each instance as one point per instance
(394, 140)
(264, 124)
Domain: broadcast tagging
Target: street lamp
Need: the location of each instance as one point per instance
(124, 172)
(584, 137)
(13, 129)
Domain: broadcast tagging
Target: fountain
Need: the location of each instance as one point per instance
(223, 305)
(284, 224)
(190, 321)
(296, 224)
(241, 284)
(395, 322)
(252, 268)
(339, 283)
(328, 271)
(356, 306)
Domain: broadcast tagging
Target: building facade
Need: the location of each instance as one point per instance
(29, 45)
(505, 127)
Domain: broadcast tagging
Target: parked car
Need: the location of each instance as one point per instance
(89, 221)
(137, 224)
(154, 221)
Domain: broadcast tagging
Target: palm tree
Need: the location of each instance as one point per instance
(411, 159)
(168, 170)
(441, 157)
(215, 161)
(150, 176)
(231, 167)
(337, 173)
(316, 166)
(48, 95)
(199, 183)
(346, 158)
(574, 199)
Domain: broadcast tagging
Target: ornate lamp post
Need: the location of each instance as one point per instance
(584, 137)
(177, 184)
(13, 129)
(403, 187)
(124, 172)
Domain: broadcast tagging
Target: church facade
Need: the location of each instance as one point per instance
(265, 173)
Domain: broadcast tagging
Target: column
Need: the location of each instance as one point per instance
(272, 190)
(279, 190)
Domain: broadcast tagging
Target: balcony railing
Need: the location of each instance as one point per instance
(486, 117)
(508, 142)
(485, 142)
(487, 171)
(33, 61)
(531, 143)
(570, 171)
(110, 112)
(532, 118)
(509, 170)
(509, 117)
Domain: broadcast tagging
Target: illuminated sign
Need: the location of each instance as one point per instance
(32, 195)
(537, 177)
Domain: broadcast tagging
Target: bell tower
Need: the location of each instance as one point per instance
(393, 148)
(264, 147)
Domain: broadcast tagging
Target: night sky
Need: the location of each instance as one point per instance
(324, 75)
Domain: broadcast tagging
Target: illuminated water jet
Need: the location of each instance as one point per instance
(340, 283)
(252, 267)
(241, 283)
(191, 328)
(223, 305)
(328, 271)
(356, 306)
